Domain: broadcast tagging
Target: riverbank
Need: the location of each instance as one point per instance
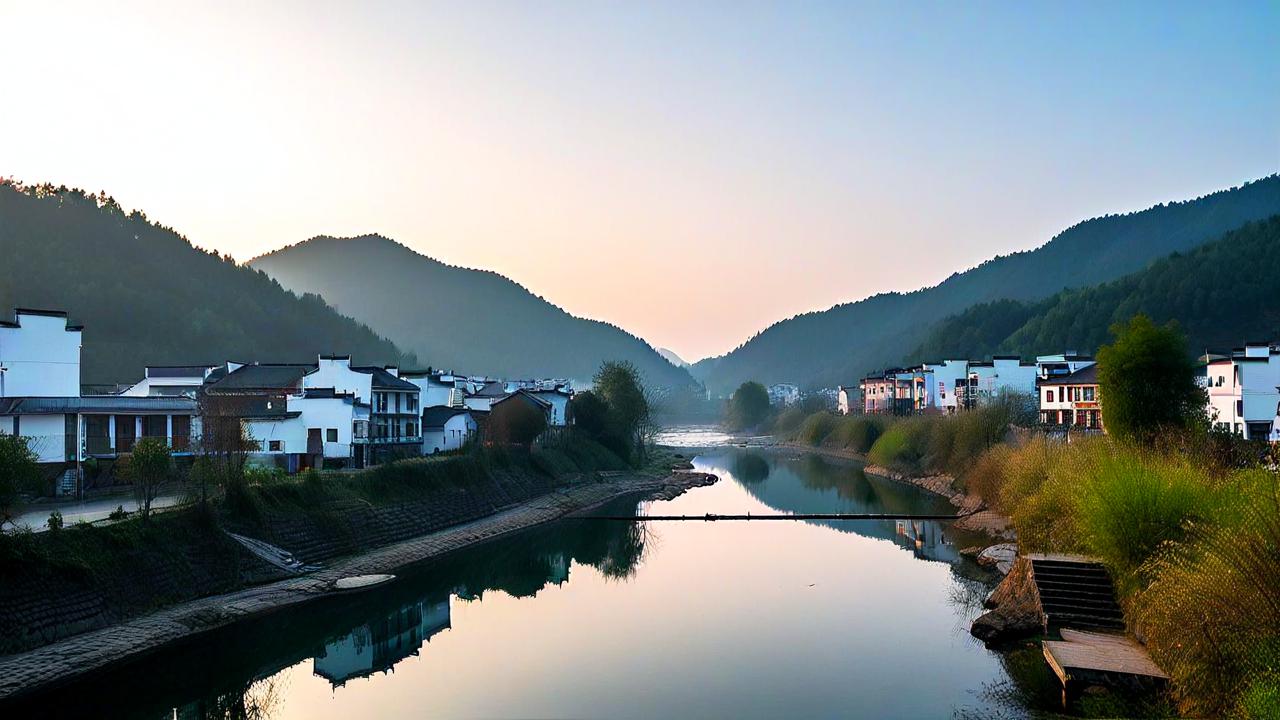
(979, 518)
(46, 667)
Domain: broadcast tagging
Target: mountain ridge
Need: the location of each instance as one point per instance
(497, 325)
(147, 296)
(838, 345)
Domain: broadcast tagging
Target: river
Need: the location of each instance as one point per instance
(609, 619)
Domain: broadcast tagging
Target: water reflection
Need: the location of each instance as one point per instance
(602, 619)
(793, 482)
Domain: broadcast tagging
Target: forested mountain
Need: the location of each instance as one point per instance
(467, 320)
(839, 345)
(146, 296)
(1222, 294)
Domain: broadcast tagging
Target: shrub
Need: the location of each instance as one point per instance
(55, 520)
(1211, 613)
(789, 421)
(1132, 504)
(856, 433)
(903, 445)
(118, 514)
(816, 427)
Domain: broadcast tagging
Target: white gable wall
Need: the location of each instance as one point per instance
(41, 358)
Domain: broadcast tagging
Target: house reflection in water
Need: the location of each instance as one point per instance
(378, 645)
(926, 539)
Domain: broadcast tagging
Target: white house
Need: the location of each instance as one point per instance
(558, 399)
(1242, 389)
(784, 394)
(1072, 400)
(438, 389)
(483, 398)
(999, 375)
(315, 424)
(941, 385)
(446, 428)
(40, 399)
(171, 380)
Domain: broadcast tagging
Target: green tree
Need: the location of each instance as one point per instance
(19, 473)
(749, 406)
(619, 386)
(150, 467)
(1147, 381)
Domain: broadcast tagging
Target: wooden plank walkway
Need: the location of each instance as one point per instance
(1083, 658)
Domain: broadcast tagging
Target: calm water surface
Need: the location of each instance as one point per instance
(596, 619)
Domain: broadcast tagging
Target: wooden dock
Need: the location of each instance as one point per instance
(1083, 658)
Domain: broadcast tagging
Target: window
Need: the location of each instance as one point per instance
(410, 403)
(273, 445)
(1048, 395)
(410, 429)
(331, 435)
(1089, 394)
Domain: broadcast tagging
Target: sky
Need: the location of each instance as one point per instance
(692, 172)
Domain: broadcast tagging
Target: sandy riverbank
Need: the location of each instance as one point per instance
(42, 668)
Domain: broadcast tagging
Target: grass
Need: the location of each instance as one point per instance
(1193, 545)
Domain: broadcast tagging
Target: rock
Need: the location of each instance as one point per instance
(1016, 606)
(971, 552)
(999, 556)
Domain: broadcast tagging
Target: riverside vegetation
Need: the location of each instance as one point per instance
(1186, 518)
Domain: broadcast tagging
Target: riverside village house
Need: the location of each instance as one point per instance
(297, 416)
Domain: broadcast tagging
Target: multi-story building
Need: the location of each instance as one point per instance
(1072, 400)
(1242, 389)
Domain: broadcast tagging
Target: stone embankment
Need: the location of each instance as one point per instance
(74, 657)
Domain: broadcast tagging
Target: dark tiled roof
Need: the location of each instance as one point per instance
(96, 404)
(1084, 376)
(383, 380)
(260, 377)
(437, 416)
(524, 394)
(322, 393)
(163, 371)
(493, 389)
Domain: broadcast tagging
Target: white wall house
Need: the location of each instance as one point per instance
(438, 389)
(941, 387)
(170, 381)
(1243, 391)
(559, 402)
(316, 422)
(39, 355)
(1001, 374)
(1072, 400)
(40, 398)
(446, 428)
(784, 394)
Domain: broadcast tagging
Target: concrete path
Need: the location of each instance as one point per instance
(99, 508)
(68, 659)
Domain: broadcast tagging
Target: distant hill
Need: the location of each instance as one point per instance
(146, 296)
(455, 318)
(673, 358)
(840, 344)
(1222, 294)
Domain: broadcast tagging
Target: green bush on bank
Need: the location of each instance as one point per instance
(815, 428)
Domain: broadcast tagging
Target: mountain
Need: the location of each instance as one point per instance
(147, 297)
(673, 358)
(466, 320)
(839, 345)
(1222, 294)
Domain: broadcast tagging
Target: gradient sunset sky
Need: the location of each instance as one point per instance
(690, 171)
